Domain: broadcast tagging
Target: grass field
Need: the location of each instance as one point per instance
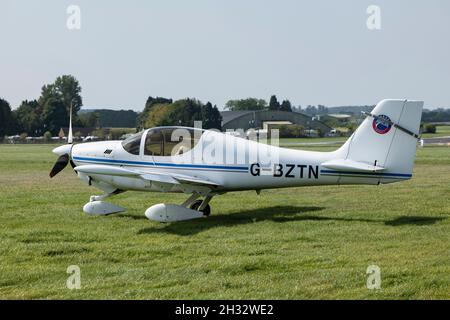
(298, 243)
(286, 142)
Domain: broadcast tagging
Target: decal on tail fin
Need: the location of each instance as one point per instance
(381, 124)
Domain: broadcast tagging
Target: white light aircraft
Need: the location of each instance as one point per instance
(205, 163)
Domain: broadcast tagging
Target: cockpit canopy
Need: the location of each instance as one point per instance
(133, 143)
(166, 141)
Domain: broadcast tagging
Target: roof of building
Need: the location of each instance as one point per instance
(243, 118)
(339, 115)
(227, 116)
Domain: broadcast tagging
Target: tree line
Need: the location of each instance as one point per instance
(48, 113)
(437, 115)
(45, 115)
(254, 104)
(107, 118)
(161, 111)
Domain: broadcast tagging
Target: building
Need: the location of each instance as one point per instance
(340, 117)
(261, 119)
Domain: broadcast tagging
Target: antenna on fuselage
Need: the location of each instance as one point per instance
(64, 151)
(70, 135)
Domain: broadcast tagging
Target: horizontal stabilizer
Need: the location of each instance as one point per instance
(350, 165)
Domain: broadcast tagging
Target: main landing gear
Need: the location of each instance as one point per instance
(192, 208)
(199, 205)
(196, 206)
(188, 210)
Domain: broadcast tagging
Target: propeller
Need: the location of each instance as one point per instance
(60, 164)
(63, 151)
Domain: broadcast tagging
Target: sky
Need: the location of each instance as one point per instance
(310, 52)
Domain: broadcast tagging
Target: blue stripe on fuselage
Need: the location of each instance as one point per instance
(161, 164)
(381, 174)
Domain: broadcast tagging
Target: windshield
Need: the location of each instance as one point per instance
(133, 143)
(171, 141)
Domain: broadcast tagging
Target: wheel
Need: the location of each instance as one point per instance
(206, 211)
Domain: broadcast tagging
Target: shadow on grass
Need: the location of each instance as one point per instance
(278, 214)
(130, 216)
(413, 220)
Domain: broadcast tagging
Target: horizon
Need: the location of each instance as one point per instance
(310, 53)
(93, 108)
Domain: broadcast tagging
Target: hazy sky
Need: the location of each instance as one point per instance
(314, 52)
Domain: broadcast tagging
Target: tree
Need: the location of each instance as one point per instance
(211, 118)
(68, 89)
(297, 109)
(351, 126)
(290, 130)
(183, 113)
(158, 100)
(49, 112)
(246, 104)
(116, 118)
(273, 103)
(149, 104)
(29, 118)
(7, 120)
(311, 110)
(322, 109)
(429, 128)
(47, 136)
(159, 116)
(56, 100)
(54, 115)
(89, 119)
(286, 106)
(437, 115)
(23, 136)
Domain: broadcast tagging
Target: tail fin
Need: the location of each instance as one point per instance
(387, 138)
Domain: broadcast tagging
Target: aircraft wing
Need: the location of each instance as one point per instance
(155, 176)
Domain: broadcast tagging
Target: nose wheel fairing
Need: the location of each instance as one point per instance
(97, 207)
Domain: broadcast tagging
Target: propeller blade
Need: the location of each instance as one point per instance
(60, 164)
